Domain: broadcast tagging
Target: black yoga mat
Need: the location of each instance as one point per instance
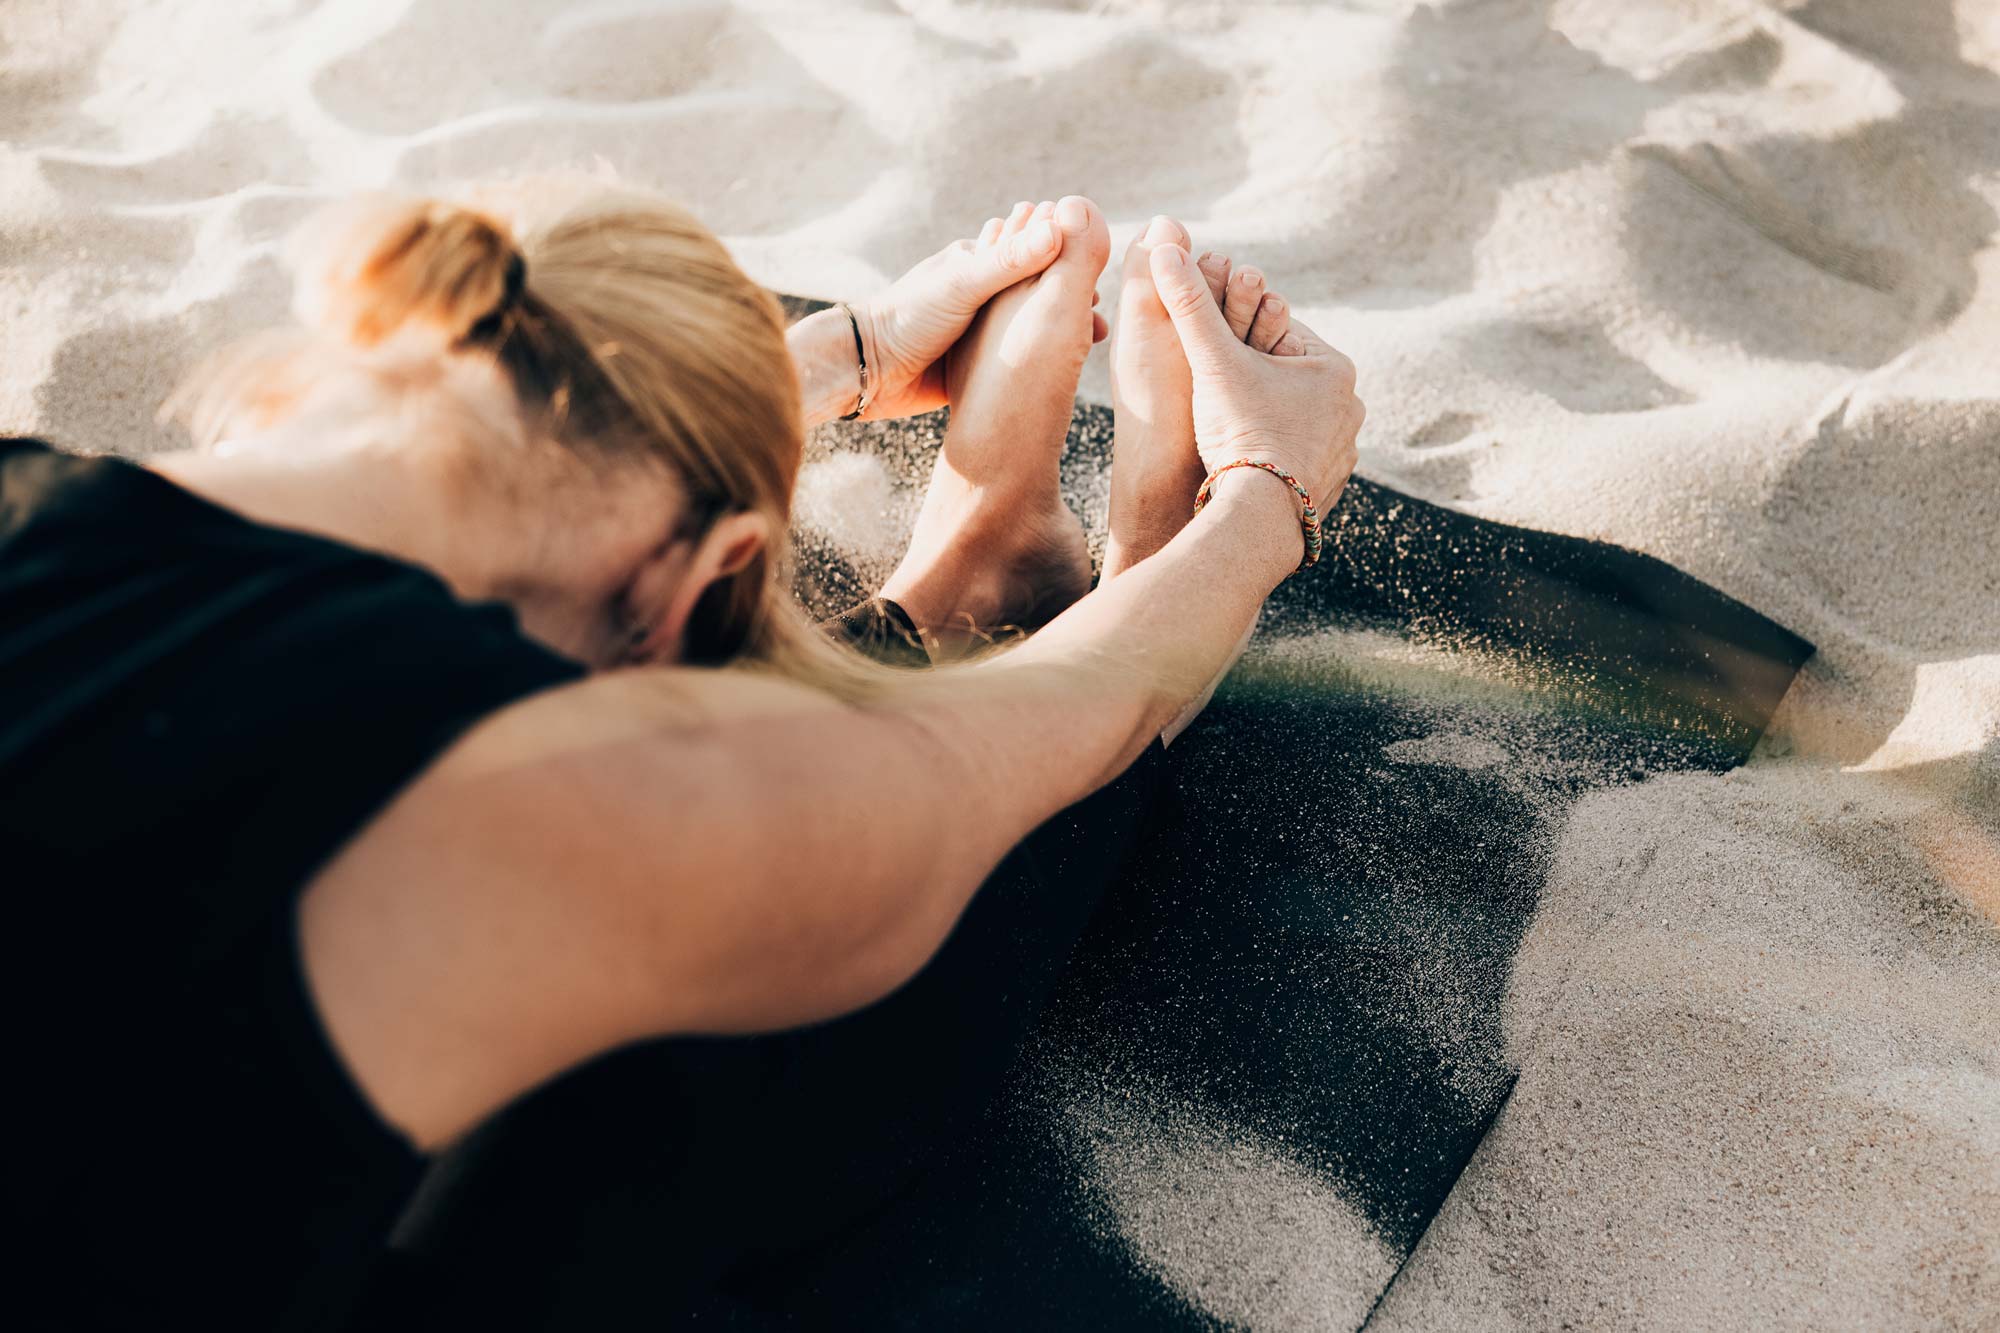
(1233, 1094)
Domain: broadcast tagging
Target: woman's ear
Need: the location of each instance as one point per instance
(729, 547)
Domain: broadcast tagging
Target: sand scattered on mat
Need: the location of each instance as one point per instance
(1224, 1217)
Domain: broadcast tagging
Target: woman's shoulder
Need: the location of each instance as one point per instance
(97, 507)
(152, 642)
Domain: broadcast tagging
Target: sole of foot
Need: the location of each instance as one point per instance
(995, 547)
(1155, 470)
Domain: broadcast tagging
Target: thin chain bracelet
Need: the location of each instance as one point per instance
(860, 363)
(1310, 521)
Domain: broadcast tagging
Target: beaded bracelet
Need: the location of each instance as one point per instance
(1310, 522)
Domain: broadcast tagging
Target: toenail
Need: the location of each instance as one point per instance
(1073, 214)
(1039, 237)
(1252, 278)
(1045, 208)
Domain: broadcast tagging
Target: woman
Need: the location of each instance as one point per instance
(329, 713)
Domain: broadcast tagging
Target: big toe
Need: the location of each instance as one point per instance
(1141, 315)
(1058, 302)
(1086, 244)
(1162, 230)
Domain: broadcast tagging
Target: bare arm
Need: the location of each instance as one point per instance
(682, 851)
(656, 852)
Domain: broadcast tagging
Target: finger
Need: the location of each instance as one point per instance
(990, 233)
(1215, 268)
(1205, 334)
(1273, 321)
(979, 274)
(1246, 291)
(1311, 344)
(1028, 250)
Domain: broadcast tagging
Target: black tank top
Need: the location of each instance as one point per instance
(199, 711)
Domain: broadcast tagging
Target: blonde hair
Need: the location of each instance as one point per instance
(625, 332)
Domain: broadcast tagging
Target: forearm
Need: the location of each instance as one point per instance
(892, 816)
(1115, 670)
(718, 851)
(822, 350)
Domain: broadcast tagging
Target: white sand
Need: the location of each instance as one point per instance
(1225, 1219)
(1712, 278)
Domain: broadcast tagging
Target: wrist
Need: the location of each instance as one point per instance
(1261, 513)
(822, 350)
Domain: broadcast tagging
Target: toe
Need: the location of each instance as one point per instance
(1043, 211)
(1215, 268)
(1018, 218)
(1246, 292)
(990, 233)
(1086, 244)
(1273, 321)
(1086, 236)
(1136, 264)
(1163, 230)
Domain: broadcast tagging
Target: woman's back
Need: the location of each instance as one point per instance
(204, 709)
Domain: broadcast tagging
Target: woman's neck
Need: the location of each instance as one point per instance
(429, 505)
(396, 501)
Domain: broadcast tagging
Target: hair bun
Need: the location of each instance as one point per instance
(381, 266)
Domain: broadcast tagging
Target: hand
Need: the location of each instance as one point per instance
(1155, 470)
(1293, 406)
(906, 331)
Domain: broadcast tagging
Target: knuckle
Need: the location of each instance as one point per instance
(1186, 298)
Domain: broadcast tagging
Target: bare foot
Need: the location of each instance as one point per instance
(995, 546)
(1155, 470)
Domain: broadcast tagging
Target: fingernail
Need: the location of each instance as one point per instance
(1040, 237)
(1072, 214)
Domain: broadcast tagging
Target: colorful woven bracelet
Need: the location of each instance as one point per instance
(1310, 521)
